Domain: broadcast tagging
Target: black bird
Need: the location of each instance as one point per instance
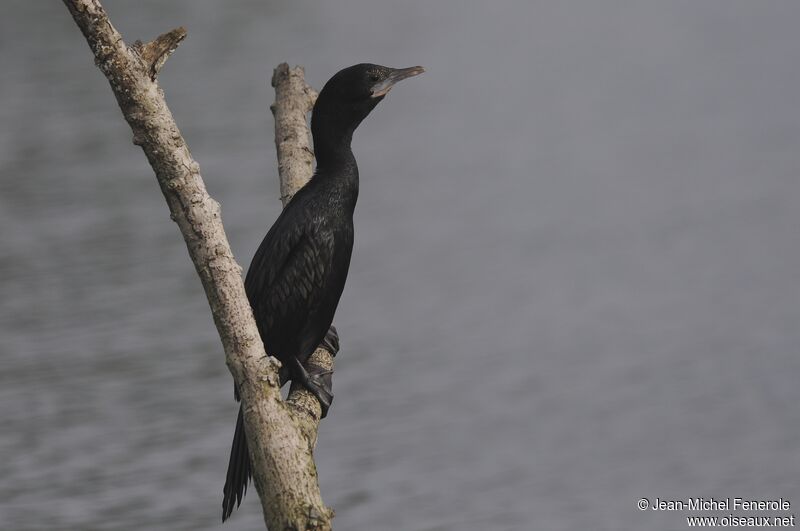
(299, 271)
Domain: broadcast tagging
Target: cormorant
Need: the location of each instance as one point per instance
(299, 271)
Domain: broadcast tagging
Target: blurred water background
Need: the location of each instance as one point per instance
(576, 279)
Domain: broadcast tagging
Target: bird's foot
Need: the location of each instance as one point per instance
(318, 381)
(331, 341)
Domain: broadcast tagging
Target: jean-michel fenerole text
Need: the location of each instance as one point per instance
(720, 504)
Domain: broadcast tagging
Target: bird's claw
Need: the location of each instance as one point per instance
(319, 382)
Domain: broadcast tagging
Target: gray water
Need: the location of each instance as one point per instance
(576, 279)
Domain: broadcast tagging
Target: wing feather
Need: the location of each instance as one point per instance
(286, 283)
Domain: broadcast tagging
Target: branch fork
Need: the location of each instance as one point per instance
(156, 52)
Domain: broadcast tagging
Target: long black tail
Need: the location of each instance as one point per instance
(239, 471)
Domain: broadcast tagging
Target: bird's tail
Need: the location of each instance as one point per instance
(239, 471)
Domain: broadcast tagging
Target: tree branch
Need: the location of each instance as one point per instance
(278, 436)
(293, 100)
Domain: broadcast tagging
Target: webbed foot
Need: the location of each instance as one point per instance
(318, 381)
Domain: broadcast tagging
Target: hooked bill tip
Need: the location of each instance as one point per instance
(383, 87)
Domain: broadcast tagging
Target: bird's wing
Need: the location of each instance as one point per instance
(286, 280)
(271, 257)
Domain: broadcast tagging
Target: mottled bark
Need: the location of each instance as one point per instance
(293, 100)
(280, 437)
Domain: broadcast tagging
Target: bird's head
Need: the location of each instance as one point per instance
(351, 94)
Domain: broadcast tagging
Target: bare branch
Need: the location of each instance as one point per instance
(156, 52)
(285, 474)
(293, 100)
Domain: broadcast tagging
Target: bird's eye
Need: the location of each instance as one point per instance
(374, 77)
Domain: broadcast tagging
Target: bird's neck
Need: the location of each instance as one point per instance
(332, 145)
(334, 154)
(332, 127)
(337, 171)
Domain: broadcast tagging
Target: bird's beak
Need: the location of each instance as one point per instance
(381, 88)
